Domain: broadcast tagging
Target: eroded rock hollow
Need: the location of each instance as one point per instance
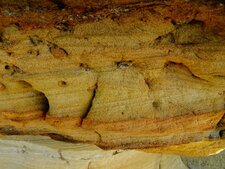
(129, 74)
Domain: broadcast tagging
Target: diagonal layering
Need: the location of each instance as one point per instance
(134, 79)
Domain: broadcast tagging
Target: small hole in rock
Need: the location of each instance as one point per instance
(7, 67)
(222, 133)
(62, 83)
(2, 86)
(169, 51)
(173, 22)
(124, 64)
(148, 82)
(84, 66)
(10, 53)
(155, 104)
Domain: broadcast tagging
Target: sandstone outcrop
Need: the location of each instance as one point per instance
(130, 75)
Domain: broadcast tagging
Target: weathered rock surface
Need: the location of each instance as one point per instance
(37, 152)
(126, 75)
(44, 152)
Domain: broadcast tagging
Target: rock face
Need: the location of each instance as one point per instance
(128, 75)
(40, 152)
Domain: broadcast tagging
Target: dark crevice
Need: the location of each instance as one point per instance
(57, 52)
(13, 69)
(197, 55)
(186, 164)
(62, 157)
(173, 22)
(163, 40)
(222, 133)
(46, 105)
(89, 164)
(25, 84)
(124, 64)
(35, 40)
(196, 22)
(9, 130)
(59, 4)
(99, 136)
(116, 152)
(45, 102)
(221, 123)
(219, 76)
(63, 138)
(184, 67)
(148, 82)
(1, 37)
(90, 103)
(160, 165)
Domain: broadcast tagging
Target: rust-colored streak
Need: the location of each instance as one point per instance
(183, 123)
(46, 15)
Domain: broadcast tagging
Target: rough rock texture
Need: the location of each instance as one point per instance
(130, 75)
(35, 152)
(211, 162)
(42, 152)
